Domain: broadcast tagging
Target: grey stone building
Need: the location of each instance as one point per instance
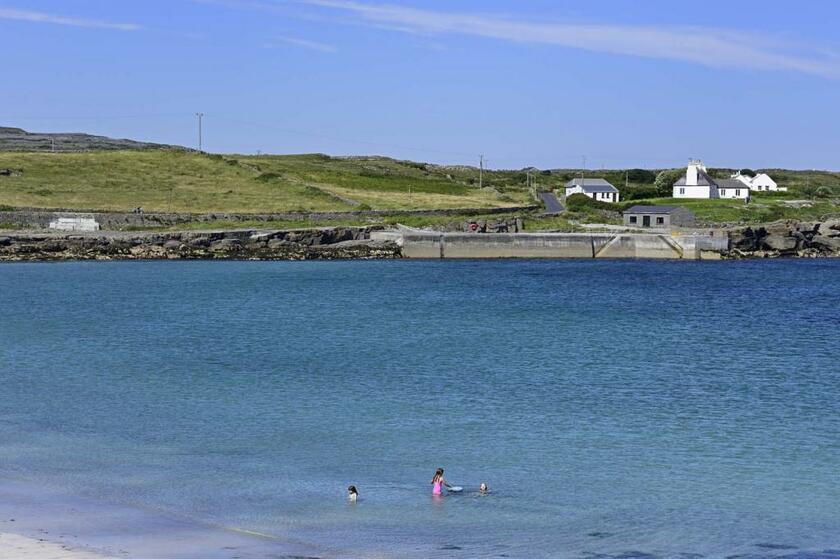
(658, 217)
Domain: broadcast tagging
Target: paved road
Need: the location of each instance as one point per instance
(552, 204)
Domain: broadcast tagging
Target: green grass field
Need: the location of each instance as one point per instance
(177, 181)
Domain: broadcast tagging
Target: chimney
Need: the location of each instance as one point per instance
(692, 173)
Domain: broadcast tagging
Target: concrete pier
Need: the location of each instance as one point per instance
(422, 244)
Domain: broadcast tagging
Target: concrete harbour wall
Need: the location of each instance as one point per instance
(556, 245)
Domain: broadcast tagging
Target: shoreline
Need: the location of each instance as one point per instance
(786, 239)
(39, 522)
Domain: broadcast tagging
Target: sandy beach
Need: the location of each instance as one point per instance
(38, 522)
(13, 545)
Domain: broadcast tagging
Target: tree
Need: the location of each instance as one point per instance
(665, 180)
(748, 172)
(641, 176)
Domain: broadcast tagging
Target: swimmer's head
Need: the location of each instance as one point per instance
(439, 472)
(352, 490)
(483, 487)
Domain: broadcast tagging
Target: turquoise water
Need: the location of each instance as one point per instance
(616, 409)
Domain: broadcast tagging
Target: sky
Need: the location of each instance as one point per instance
(545, 83)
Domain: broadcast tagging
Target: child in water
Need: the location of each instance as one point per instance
(352, 494)
(438, 483)
(483, 489)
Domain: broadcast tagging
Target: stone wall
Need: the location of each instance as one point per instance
(115, 221)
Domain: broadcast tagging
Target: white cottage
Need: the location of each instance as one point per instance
(597, 189)
(759, 183)
(698, 184)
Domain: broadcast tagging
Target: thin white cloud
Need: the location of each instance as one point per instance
(710, 47)
(41, 17)
(311, 45)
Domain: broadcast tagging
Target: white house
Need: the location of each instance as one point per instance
(698, 184)
(597, 189)
(759, 183)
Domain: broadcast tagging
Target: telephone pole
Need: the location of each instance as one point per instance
(481, 171)
(200, 116)
(583, 172)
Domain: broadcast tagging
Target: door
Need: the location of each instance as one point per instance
(646, 221)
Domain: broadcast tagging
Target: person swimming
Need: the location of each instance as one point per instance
(352, 494)
(438, 482)
(483, 489)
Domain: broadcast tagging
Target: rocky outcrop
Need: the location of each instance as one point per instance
(17, 139)
(310, 244)
(787, 239)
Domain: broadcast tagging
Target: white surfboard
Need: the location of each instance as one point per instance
(455, 489)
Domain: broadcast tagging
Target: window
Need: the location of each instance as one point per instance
(682, 190)
(737, 192)
(660, 220)
(633, 219)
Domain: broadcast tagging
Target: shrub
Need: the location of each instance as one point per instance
(640, 193)
(665, 181)
(641, 176)
(584, 202)
(268, 177)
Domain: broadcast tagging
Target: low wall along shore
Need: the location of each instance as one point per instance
(556, 245)
(41, 219)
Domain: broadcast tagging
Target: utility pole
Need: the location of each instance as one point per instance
(626, 179)
(53, 144)
(583, 172)
(200, 116)
(481, 171)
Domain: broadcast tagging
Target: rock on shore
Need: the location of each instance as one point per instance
(311, 244)
(787, 239)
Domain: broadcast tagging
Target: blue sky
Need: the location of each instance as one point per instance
(533, 82)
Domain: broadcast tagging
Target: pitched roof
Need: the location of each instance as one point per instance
(730, 183)
(703, 179)
(592, 185)
(652, 209)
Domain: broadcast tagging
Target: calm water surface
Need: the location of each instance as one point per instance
(629, 409)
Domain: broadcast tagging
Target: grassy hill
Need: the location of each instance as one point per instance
(166, 180)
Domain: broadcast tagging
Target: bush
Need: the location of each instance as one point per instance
(641, 176)
(268, 177)
(584, 202)
(665, 180)
(640, 193)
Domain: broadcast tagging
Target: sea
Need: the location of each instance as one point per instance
(616, 409)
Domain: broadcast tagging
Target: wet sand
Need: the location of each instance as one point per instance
(44, 523)
(13, 545)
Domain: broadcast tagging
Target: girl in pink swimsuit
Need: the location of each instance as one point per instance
(438, 483)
